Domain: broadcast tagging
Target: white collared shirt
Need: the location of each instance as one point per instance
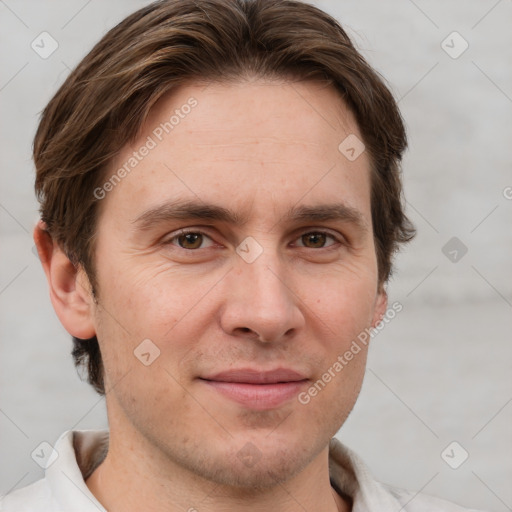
(78, 453)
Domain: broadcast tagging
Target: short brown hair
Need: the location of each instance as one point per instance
(104, 102)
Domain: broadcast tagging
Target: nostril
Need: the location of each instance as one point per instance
(246, 332)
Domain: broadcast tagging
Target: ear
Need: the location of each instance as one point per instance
(70, 290)
(381, 305)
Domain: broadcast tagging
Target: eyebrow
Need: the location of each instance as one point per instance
(195, 209)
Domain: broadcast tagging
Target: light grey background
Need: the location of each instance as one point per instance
(441, 370)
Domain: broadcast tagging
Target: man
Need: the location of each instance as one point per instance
(220, 204)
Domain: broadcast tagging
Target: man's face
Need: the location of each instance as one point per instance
(241, 243)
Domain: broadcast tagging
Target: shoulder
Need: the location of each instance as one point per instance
(63, 488)
(418, 502)
(35, 497)
(353, 478)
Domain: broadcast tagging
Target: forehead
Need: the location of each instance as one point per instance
(272, 144)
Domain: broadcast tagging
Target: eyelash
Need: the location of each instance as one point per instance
(183, 232)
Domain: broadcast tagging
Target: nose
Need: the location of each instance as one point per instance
(260, 302)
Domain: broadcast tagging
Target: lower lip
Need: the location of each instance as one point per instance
(258, 396)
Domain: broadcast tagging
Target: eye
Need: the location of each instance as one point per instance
(316, 240)
(194, 240)
(191, 240)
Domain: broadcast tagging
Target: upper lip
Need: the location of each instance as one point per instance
(253, 376)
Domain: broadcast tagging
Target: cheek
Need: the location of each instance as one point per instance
(169, 308)
(342, 314)
(345, 306)
(150, 299)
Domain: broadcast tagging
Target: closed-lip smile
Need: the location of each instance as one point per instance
(257, 389)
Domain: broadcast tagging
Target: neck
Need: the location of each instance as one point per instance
(134, 476)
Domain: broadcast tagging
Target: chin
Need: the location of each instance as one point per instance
(249, 470)
(253, 477)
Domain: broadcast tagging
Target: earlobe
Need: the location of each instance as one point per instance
(70, 292)
(381, 304)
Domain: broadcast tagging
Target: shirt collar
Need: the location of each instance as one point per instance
(66, 478)
(350, 476)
